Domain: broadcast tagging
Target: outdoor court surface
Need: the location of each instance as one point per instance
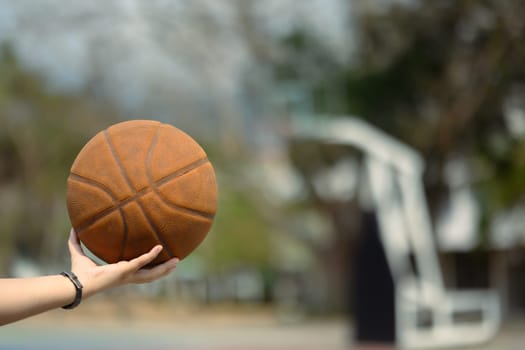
(101, 326)
(315, 338)
(104, 326)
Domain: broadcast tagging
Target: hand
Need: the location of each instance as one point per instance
(97, 278)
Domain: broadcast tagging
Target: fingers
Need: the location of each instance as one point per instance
(149, 275)
(145, 259)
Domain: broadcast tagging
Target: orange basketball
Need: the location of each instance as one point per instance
(137, 184)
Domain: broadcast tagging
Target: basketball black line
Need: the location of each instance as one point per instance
(182, 171)
(195, 212)
(79, 178)
(85, 225)
(185, 210)
(103, 213)
(137, 195)
(186, 169)
(117, 160)
(125, 236)
(95, 183)
(156, 231)
(132, 188)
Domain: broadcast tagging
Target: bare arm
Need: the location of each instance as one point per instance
(24, 297)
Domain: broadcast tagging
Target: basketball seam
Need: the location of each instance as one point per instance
(137, 195)
(132, 189)
(156, 184)
(186, 210)
(178, 173)
(94, 183)
(155, 230)
(134, 192)
(117, 160)
(125, 235)
(160, 238)
(86, 224)
(184, 170)
(120, 204)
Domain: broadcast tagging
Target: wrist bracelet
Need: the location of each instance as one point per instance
(78, 289)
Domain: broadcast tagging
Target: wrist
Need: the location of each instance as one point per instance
(78, 289)
(91, 282)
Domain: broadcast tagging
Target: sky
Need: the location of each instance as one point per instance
(159, 57)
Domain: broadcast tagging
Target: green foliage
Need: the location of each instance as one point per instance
(239, 236)
(41, 133)
(438, 75)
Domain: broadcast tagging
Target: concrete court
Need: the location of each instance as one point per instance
(93, 328)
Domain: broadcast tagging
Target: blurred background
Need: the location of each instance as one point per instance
(444, 78)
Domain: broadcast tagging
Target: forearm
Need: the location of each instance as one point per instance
(24, 297)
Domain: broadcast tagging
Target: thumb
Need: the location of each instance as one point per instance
(75, 249)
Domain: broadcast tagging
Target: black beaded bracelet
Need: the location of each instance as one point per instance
(78, 289)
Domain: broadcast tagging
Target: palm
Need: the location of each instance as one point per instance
(97, 278)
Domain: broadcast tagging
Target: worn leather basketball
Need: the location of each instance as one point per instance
(138, 184)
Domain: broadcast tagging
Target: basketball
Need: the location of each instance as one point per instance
(138, 184)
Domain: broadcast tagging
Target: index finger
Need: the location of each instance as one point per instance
(144, 275)
(146, 258)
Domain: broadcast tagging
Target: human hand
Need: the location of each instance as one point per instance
(97, 278)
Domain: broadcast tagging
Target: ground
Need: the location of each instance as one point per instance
(134, 325)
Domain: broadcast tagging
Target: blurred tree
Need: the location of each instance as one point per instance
(40, 136)
(240, 235)
(441, 76)
(445, 77)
